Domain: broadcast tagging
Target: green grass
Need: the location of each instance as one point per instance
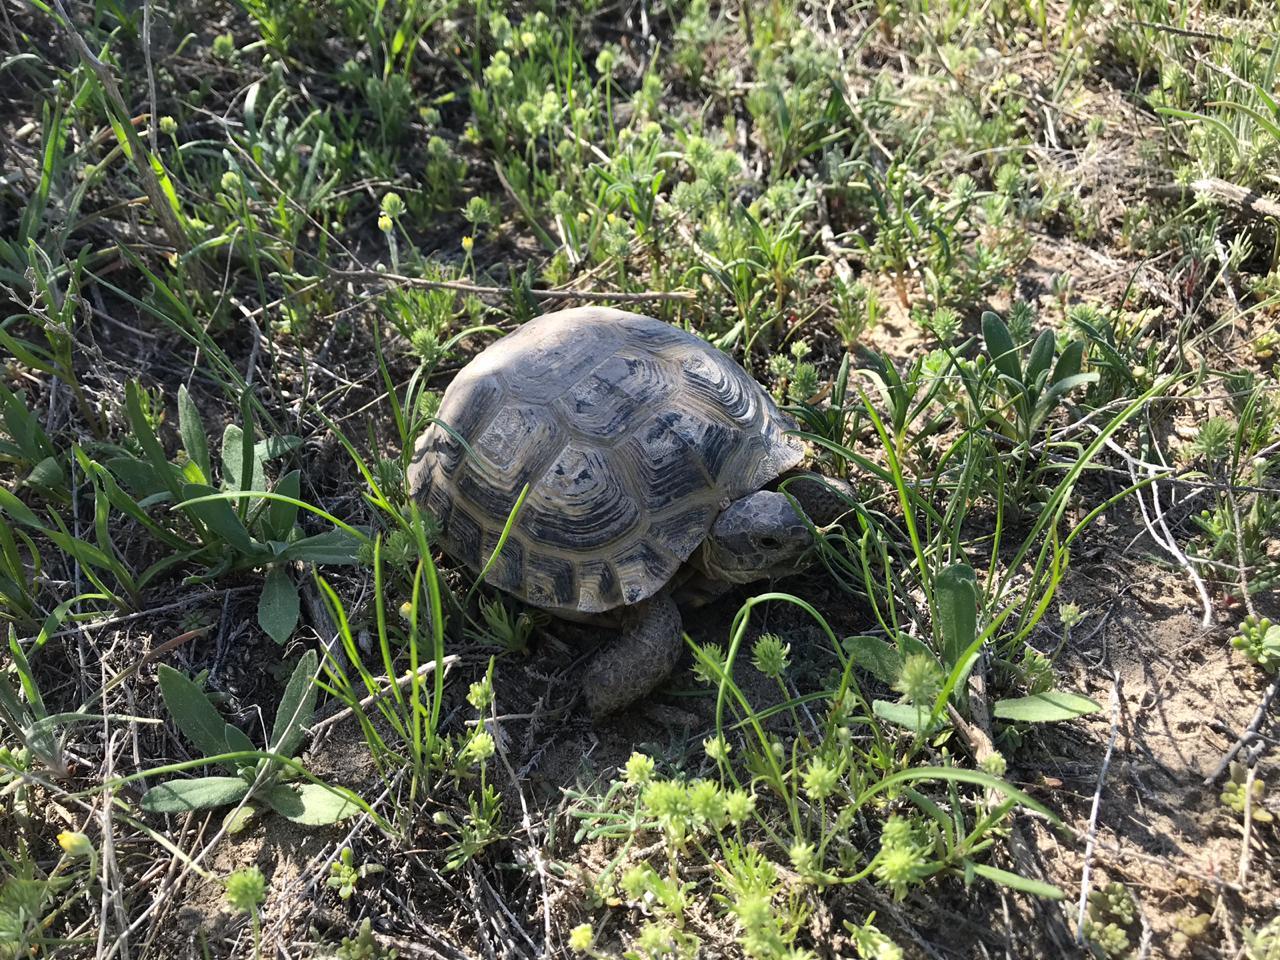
(245, 246)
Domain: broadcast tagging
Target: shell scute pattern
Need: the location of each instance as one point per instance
(681, 532)
(557, 362)
(509, 566)
(715, 382)
(641, 563)
(465, 410)
(632, 434)
(599, 585)
(578, 505)
(465, 536)
(548, 579)
(712, 441)
(665, 468)
(611, 398)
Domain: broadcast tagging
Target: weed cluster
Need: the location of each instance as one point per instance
(242, 251)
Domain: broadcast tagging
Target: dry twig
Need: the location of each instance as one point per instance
(1086, 874)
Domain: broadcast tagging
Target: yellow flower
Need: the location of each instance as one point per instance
(75, 844)
(467, 244)
(384, 223)
(580, 938)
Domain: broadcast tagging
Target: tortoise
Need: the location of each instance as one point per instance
(649, 456)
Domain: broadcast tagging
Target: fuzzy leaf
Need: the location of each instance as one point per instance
(183, 796)
(905, 715)
(194, 440)
(238, 742)
(18, 510)
(1000, 345)
(281, 516)
(238, 818)
(1069, 363)
(278, 605)
(47, 475)
(191, 710)
(233, 467)
(1063, 386)
(878, 657)
(140, 477)
(310, 804)
(1046, 707)
(334, 546)
(1041, 356)
(297, 704)
(273, 447)
(956, 595)
(218, 516)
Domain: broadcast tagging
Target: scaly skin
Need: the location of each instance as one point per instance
(824, 499)
(638, 659)
(649, 644)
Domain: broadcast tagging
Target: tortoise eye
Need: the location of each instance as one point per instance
(769, 543)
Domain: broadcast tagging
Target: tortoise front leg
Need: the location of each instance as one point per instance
(640, 658)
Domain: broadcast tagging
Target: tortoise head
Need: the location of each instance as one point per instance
(757, 537)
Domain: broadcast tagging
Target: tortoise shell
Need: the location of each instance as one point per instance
(632, 435)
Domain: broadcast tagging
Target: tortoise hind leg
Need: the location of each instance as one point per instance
(640, 658)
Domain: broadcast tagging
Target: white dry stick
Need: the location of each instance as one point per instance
(1250, 773)
(1171, 544)
(425, 670)
(1250, 732)
(1168, 543)
(110, 875)
(151, 78)
(1144, 943)
(535, 850)
(1092, 834)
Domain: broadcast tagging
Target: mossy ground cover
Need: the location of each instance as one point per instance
(1013, 268)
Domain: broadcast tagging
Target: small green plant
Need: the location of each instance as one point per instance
(1111, 911)
(236, 526)
(943, 324)
(259, 778)
(1240, 791)
(1121, 349)
(364, 945)
(24, 717)
(1262, 943)
(870, 943)
(29, 450)
(857, 309)
(833, 423)
(1259, 640)
(504, 627)
(795, 378)
(19, 580)
(481, 826)
(1029, 391)
(32, 900)
(1236, 531)
(345, 876)
(245, 892)
(41, 734)
(55, 306)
